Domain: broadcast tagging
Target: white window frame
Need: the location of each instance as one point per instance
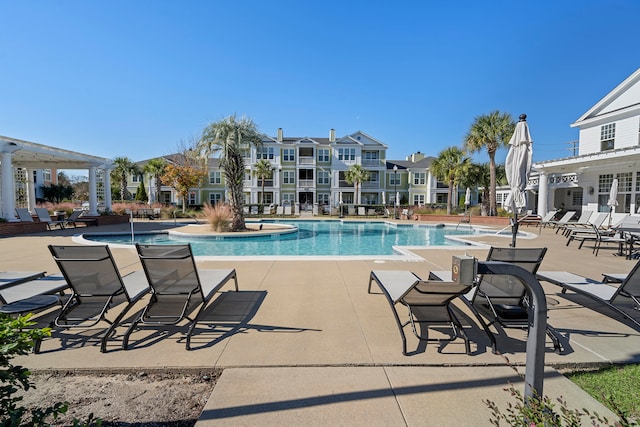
(418, 199)
(324, 177)
(288, 177)
(266, 153)
(290, 197)
(289, 155)
(324, 198)
(215, 198)
(215, 177)
(347, 154)
(419, 178)
(607, 137)
(323, 155)
(46, 175)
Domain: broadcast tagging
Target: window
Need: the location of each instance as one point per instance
(288, 177)
(323, 177)
(264, 153)
(215, 198)
(607, 136)
(370, 155)
(192, 198)
(46, 174)
(134, 178)
(419, 178)
(35, 177)
(418, 199)
(394, 178)
(374, 177)
(288, 155)
(576, 198)
(247, 175)
(347, 154)
(625, 185)
(323, 155)
(323, 198)
(288, 197)
(604, 186)
(215, 177)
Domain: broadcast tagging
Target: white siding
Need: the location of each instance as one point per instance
(589, 140)
(630, 96)
(627, 132)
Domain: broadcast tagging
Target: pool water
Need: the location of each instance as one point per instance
(312, 238)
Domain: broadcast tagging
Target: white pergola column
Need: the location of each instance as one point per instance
(31, 190)
(8, 184)
(93, 193)
(543, 193)
(107, 189)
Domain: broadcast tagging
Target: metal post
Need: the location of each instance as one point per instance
(534, 369)
(395, 190)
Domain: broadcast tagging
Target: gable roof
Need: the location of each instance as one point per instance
(37, 156)
(623, 100)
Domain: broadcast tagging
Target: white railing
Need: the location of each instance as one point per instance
(306, 160)
(306, 183)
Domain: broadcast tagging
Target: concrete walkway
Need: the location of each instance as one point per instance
(304, 343)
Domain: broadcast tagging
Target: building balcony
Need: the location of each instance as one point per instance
(370, 184)
(306, 183)
(372, 163)
(306, 160)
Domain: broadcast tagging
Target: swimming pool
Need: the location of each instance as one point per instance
(313, 238)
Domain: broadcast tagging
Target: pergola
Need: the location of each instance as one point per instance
(15, 153)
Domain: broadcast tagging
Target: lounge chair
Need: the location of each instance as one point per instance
(96, 286)
(43, 216)
(588, 229)
(562, 221)
(626, 294)
(178, 286)
(279, 210)
(362, 211)
(546, 219)
(351, 211)
(29, 292)
(76, 218)
(502, 299)
(287, 210)
(427, 302)
(582, 222)
(24, 215)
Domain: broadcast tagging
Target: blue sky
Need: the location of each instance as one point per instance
(134, 78)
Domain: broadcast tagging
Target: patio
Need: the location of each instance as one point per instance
(303, 342)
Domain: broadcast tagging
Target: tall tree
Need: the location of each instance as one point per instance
(356, 175)
(263, 169)
(478, 175)
(490, 132)
(449, 168)
(124, 168)
(155, 168)
(229, 138)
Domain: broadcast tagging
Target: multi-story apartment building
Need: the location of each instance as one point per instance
(308, 171)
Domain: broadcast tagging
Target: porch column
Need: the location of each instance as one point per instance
(31, 190)
(93, 192)
(543, 193)
(8, 185)
(107, 189)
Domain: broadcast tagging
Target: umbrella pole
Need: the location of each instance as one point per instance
(514, 230)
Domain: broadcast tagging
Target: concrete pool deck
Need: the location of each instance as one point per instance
(304, 343)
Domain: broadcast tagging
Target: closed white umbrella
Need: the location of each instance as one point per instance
(467, 197)
(518, 167)
(384, 202)
(613, 198)
(398, 198)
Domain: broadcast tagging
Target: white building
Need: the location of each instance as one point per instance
(609, 148)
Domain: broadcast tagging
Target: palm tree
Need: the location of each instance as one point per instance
(490, 131)
(356, 175)
(228, 138)
(263, 169)
(478, 175)
(124, 168)
(449, 167)
(155, 168)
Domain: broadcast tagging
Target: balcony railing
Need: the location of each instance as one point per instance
(371, 184)
(306, 183)
(344, 184)
(306, 160)
(372, 162)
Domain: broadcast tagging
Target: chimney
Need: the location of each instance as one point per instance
(332, 135)
(280, 134)
(416, 157)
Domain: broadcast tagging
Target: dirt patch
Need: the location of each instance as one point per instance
(125, 399)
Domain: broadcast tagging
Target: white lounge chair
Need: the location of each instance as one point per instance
(626, 294)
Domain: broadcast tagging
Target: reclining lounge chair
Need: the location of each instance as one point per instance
(426, 301)
(96, 286)
(626, 293)
(502, 299)
(178, 287)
